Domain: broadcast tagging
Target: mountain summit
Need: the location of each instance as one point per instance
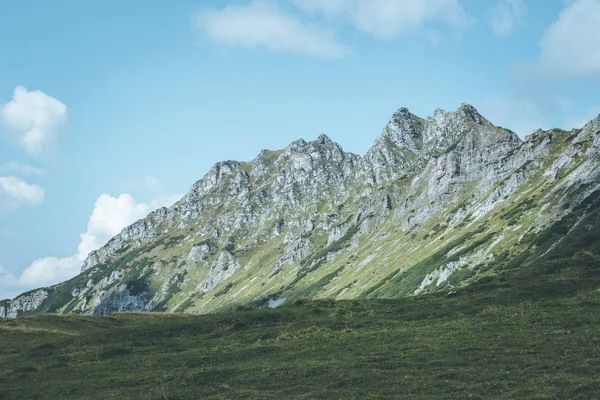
(434, 205)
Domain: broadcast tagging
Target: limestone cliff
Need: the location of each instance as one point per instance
(435, 204)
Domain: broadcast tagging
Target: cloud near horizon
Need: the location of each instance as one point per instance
(109, 217)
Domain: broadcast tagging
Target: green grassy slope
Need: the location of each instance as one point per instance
(530, 330)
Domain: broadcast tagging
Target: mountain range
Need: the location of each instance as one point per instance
(434, 205)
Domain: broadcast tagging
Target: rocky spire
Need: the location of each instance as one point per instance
(404, 129)
(391, 153)
(469, 112)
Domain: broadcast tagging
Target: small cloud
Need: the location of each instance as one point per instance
(390, 19)
(264, 25)
(14, 193)
(570, 46)
(20, 169)
(393, 18)
(49, 270)
(109, 217)
(33, 120)
(508, 16)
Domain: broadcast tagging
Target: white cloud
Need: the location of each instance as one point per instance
(571, 45)
(14, 192)
(508, 16)
(109, 217)
(20, 169)
(49, 270)
(33, 120)
(42, 272)
(391, 18)
(263, 24)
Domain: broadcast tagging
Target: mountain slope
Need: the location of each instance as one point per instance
(524, 333)
(435, 204)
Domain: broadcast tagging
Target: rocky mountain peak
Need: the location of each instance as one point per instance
(470, 112)
(404, 129)
(593, 125)
(445, 128)
(312, 218)
(400, 140)
(325, 140)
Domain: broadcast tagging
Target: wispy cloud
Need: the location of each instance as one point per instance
(305, 28)
(15, 192)
(390, 18)
(18, 168)
(570, 47)
(508, 16)
(108, 218)
(265, 25)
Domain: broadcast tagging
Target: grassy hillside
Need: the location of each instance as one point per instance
(529, 331)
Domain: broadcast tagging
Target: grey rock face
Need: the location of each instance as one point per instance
(297, 249)
(198, 253)
(130, 297)
(140, 232)
(314, 210)
(23, 303)
(225, 267)
(394, 150)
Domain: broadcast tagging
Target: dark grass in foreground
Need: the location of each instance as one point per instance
(528, 334)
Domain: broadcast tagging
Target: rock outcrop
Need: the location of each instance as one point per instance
(434, 199)
(23, 304)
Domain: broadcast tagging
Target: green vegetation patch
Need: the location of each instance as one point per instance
(319, 257)
(404, 283)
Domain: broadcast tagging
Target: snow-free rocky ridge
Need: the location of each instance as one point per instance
(435, 204)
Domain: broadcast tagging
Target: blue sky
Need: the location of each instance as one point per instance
(110, 109)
